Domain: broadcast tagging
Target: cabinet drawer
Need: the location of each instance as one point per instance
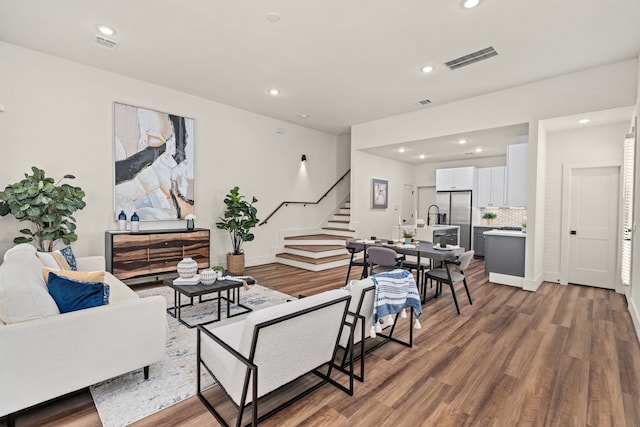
(130, 256)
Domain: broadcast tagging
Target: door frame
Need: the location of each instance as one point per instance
(567, 170)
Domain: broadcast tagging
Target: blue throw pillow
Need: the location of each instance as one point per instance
(72, 295)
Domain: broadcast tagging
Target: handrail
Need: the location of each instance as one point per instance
(304, 203)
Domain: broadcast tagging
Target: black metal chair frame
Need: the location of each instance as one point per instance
(449, 282)
(344, 363)
(251, 373)
(357, 263)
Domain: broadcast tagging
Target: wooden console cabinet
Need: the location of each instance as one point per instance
(130, 255)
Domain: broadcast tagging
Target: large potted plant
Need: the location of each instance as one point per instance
(47, 204)
(239, 218)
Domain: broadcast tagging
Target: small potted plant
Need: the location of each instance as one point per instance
(408, 236)
(219, 270)
(238, 220)
(489, 217)
(524, 225)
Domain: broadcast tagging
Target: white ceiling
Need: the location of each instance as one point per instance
(341, 62)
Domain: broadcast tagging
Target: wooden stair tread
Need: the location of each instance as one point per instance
(340, 221)
(313, 260)
(341, 214)
(338, 229)
(318, 237)
(315, 248)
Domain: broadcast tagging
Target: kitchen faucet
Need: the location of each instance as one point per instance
(429, 213)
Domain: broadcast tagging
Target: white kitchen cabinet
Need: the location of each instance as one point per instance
(491, 186)
(517, 175)
(454, 179)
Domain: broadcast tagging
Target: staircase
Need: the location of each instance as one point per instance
(322, 251)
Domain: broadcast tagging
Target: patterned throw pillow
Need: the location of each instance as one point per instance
(62, 259)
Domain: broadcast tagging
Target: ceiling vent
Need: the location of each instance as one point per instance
(105, 42)
(465, 60)
(424, 102)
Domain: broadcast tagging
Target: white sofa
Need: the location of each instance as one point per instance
(45, 354)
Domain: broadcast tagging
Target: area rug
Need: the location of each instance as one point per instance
(125, 399)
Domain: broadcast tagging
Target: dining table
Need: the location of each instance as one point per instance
(419, 249)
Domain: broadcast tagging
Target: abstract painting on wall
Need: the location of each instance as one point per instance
(154, 156)
(379, 193)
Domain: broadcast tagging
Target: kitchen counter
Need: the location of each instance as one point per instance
(449, 234)
(504, 256)
(507, 233)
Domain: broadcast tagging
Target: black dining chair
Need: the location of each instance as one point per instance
(383, 259)
(357, 262)
(452, 273)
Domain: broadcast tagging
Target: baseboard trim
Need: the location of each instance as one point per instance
(635, 316)
(505, 279)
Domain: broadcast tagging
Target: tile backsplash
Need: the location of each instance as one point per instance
(506, 217)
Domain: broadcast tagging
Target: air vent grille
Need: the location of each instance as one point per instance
(465, 60)
(105, 42)
(424, 102)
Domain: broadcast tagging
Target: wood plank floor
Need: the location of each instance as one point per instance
(562, 356)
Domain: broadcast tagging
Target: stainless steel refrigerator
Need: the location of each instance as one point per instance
(457, 206)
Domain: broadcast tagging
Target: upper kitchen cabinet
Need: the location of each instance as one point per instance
(517, 175)
(491, 187)
(454, 179)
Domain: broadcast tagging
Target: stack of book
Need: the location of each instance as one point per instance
(190, 281)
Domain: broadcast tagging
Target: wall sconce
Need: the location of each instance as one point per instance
(303, 158)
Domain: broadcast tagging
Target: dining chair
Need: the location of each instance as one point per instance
(452, 273)
(382, 259)
(357, 262)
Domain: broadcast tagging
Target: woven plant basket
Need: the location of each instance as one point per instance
(235, 263)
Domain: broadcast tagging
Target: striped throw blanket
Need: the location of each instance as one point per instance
(395, 290)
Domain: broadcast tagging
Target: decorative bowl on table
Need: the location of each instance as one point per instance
(208, 276)
(187, 268)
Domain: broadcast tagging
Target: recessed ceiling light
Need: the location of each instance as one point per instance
(401, 150)
(304, 115)
(478, 150)
(274, 92)
(469, 4)
(273, 16)
(462, 141)
(107, 31)
(427, 68)
(584, 121)
(422, 156)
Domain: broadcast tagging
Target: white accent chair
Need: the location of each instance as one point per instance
(272, 347)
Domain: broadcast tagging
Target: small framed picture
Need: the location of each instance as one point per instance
(379, 193)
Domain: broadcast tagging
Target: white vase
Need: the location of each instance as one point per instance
(208, 276)
(187, 268)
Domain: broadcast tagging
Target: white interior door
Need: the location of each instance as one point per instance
(593, 226)
(407, 204)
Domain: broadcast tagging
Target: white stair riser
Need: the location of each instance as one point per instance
(345, 233)
(315, 255)
(345, 211)
(313, 267)
(316, 242)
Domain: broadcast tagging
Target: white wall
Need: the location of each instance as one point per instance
(582, 145)
(377, 222)
(633, 294)
(59, 117)
(596, 89)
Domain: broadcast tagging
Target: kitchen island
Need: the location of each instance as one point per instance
(504, 256)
